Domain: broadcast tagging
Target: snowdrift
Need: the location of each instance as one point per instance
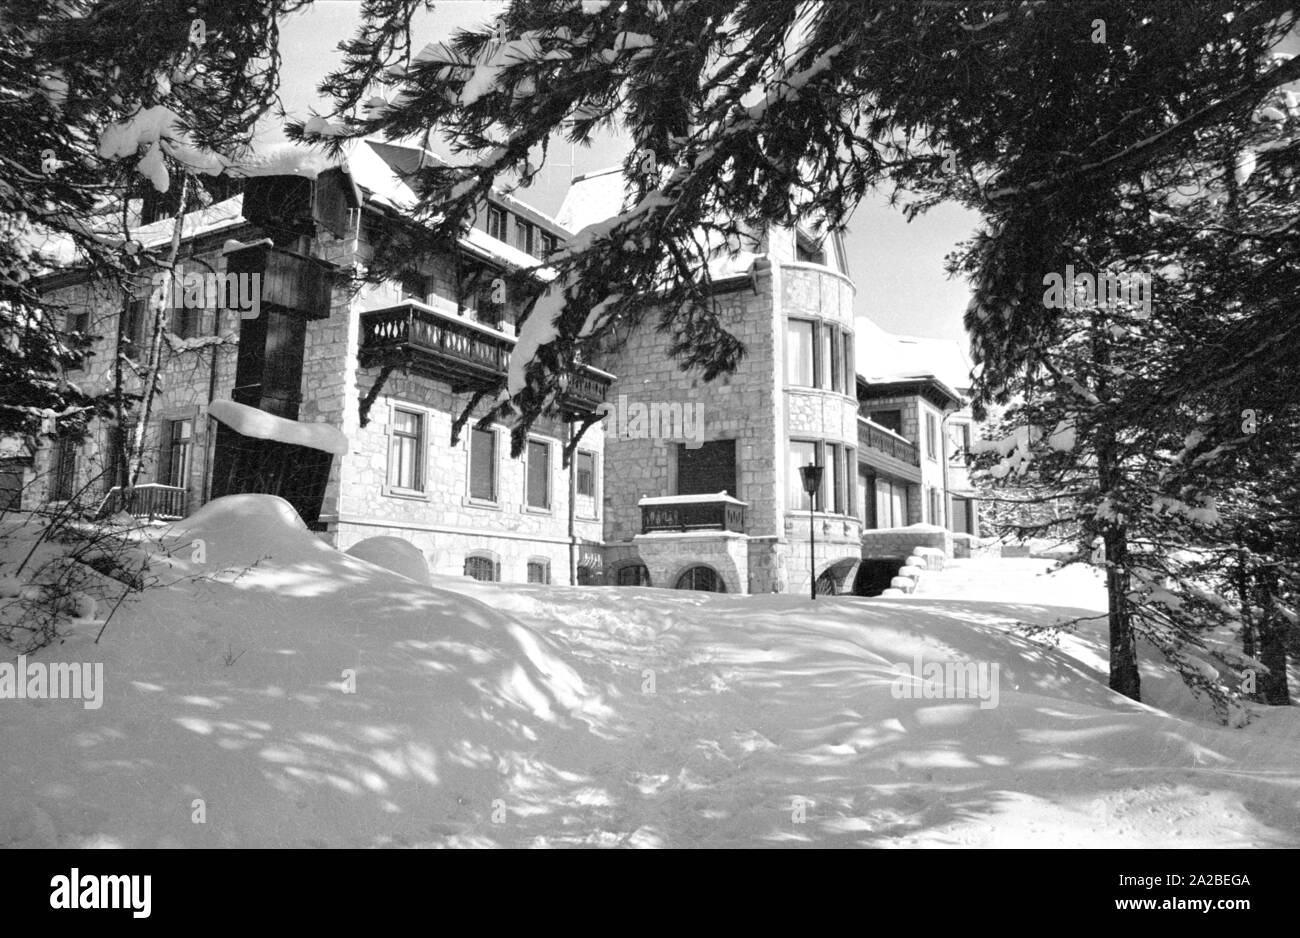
(281, 693)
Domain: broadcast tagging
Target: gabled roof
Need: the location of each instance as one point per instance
(603, 195)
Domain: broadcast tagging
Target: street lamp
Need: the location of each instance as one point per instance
(812, 481)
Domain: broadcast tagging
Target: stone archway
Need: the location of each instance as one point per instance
(838, 577)
(700, 577)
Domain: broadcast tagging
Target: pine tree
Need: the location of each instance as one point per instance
(95, 95)
(744, 114)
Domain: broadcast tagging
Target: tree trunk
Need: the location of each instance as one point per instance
(1241, 579)
(1124, 677)
(1271, 638)
(150, 388)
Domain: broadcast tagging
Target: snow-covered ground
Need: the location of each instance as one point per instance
(488, 714)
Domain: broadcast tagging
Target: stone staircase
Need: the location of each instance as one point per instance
(923, 563)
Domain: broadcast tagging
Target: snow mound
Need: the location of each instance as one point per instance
(393, 553)
(310, 700)
(318, 700)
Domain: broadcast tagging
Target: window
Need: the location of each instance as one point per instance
(960, 442)
(960, 522)
(850, 366)
(819, 355)
(891, 504)
(406, 451)
(549, 243)
(935, 509)
(808, 251)
(889, 419)
(586, 474)
(483, 465)
(708, 469)
(483, 567)
(539, 474)
(704, 579)
(487, 309)
(524, 236)
(833, 480)
(11, 489)
(799, 354)
(133, 332)
(414, 287)
(186, 323)
(931, 436)
(496, 223)
(539, 571)
(850, 473)
(77, 325)
(633, 574)
(865, 492)
(63, 468)
(801, 453)
(834, 352)
(174, 467)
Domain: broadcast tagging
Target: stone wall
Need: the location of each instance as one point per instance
(185, 373)
(741, 406)
(442, 519)
(668, 556)
(884, 543)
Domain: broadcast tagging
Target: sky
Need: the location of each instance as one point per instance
(898, 266)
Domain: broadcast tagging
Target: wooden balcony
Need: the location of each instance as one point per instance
(690, 513)
(154, 501)
(464, 353)
(882, 440)
(586, 390)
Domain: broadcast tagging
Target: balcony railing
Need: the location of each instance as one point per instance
(153, 500)
(685, 513)
(455, 349)
(881, 439)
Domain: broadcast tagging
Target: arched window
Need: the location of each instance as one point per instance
(587, 576)
(483, 567)
(539, 570)
(705, 579)
(633, 574)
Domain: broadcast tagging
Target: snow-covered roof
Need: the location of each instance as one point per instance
(600, 196)
(250, 421)
(885, 356)
(592, 198)
(219, 216)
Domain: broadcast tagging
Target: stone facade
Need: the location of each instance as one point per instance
(757, 408)
(440, 520)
